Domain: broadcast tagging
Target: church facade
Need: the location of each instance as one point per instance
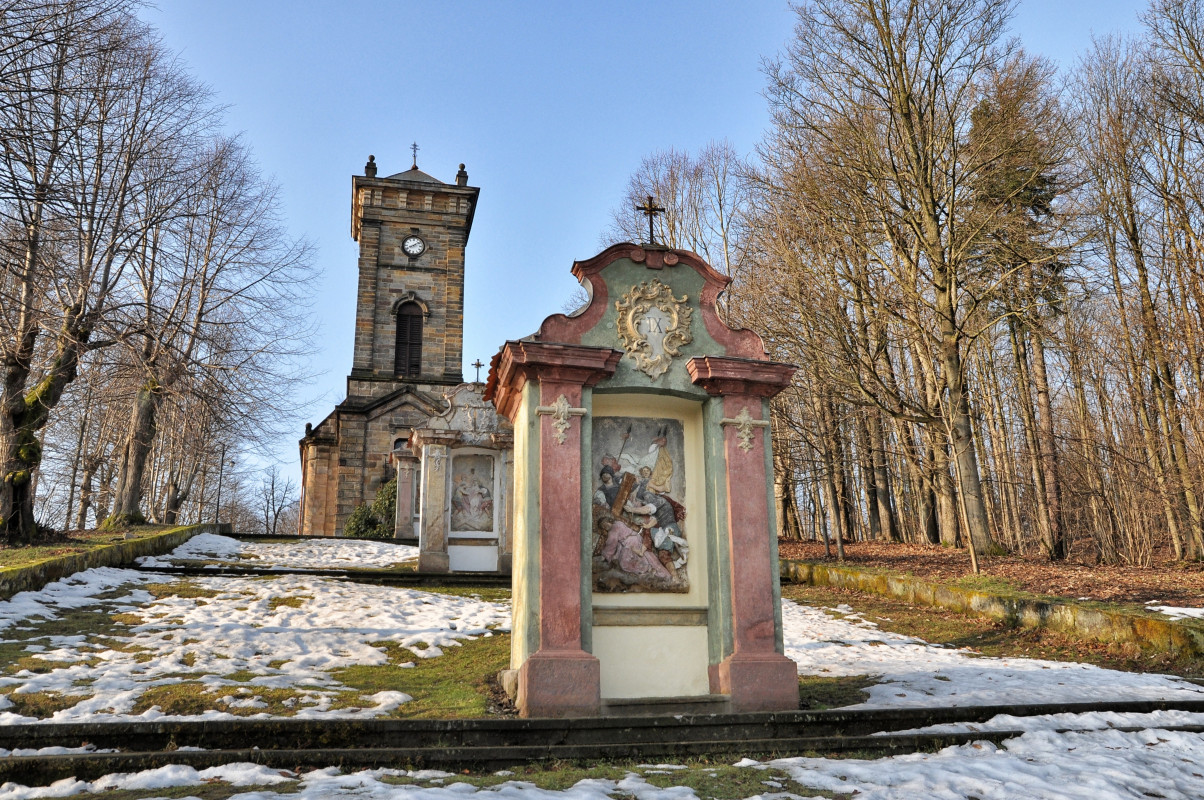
(408, 412)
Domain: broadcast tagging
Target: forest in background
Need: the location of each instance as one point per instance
(988, 273)
(153, 311)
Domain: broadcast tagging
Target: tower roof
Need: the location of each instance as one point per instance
(414, 174)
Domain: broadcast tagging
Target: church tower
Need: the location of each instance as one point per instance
(409, 322)
(412, 230)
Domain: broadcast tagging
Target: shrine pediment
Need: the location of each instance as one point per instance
(658, 307)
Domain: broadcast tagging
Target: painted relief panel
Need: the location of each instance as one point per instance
(472, 493)
(639, 488)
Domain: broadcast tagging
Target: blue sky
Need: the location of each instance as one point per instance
(550, 105)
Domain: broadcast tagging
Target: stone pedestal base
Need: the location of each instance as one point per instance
(759, 682)
(433, 562)
(560, 684)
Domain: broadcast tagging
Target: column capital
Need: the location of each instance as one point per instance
(720, 375)
(432, 436)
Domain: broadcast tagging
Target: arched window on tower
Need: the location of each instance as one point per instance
(407, 359)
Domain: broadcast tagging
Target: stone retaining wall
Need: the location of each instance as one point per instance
(1090, 623)
(32, 577)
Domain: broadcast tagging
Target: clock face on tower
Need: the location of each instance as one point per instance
(413, 246)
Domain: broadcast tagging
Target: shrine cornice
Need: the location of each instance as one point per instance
(519, 361)
(720, 375)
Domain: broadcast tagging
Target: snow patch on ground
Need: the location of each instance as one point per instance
(1176, 612)
(1040, 765)
(312, 554)
(915, 673)
(243, 628)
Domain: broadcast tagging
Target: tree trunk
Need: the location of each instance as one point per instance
(1036, 460)
(1060, 548)
(882, 484)
(138, 444)
(85, 495)
(948, 527)
(869, 478)
(23, 421)
(965, 455)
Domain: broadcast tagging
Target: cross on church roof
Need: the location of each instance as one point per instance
(414, 152)
(651, 209)
(478, 365)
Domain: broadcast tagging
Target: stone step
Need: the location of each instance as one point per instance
(44, 770)
(306, 734)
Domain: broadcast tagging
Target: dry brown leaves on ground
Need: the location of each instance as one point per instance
(1175, 584)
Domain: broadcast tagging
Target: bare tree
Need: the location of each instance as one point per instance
(74, 177)
(276, 495)
(221, 281)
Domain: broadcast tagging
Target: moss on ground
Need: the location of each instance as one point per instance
(817, 693)
(184, 589)
(455, 685)
(78, 542)
(490, 594)
(42, 704)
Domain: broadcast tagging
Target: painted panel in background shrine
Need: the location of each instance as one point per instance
(472, 493)
(639, 490)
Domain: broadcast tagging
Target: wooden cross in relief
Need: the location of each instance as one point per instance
(651, 209)
(478, 365)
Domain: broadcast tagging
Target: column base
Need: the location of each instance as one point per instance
(759, 682)
(433, 562)
(565, 683)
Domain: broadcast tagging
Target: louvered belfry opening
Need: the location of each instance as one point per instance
(408, 355)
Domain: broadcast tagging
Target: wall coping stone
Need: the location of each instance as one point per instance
(32, 577)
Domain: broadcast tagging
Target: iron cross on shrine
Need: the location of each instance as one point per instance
(478, 365)
(414, 152)
(651, 209)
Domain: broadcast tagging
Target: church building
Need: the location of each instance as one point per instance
(408, 412)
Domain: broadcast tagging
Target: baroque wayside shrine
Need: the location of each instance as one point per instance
(645, 570)
(408, 412)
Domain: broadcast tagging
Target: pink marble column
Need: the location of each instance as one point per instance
(559, 679)
(756, 675)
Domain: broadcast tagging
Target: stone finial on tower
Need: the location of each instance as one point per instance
(370, 167)
(461, 177)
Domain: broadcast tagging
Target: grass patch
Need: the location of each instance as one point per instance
(127, 619)
(42, 704)
(817, 693)
(192, 697)
(183, 589)
(292, 601)
(42, 666)
(455, 685)
(993, 638)
(491, 594)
